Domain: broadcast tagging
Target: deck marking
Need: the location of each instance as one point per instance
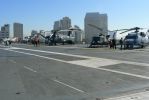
(30, 69)
(69, 86)
(12, 61)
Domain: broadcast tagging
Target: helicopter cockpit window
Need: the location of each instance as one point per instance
(131, 37)
(142, 34)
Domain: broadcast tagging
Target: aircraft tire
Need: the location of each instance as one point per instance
(142, 46)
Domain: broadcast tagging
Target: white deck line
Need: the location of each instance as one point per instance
(36, 55)
(52, 52)
(30, 69)
(69, 86)
(24, 66)
(134, 96)
(12, 61)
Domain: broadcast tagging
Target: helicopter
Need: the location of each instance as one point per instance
(136, 38)
(103, 39)
(65, 36)
(68, 35)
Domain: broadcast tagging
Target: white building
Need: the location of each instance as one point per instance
(18, 30)
(97, 20)
(78, 34)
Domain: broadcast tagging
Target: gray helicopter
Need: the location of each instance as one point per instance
(103, 38)
(136, 38)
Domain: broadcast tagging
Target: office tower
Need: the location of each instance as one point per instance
(64, 23)
(4, 35)
(91, 23)
(18, 30)
(5, 28)
(5, 31)
(56, 25)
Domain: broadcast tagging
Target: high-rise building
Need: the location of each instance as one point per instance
(3, 35)
(5, 31)
(56, 25)
(64, 23)
(18, 30)
(92, 22)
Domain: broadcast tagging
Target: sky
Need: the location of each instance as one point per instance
(41, 14)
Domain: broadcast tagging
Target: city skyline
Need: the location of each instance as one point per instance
(41, 14)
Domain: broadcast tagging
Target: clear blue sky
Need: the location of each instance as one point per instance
(40, 14)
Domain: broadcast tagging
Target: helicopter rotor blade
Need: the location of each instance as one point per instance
(131, 29)
(74, 29)
(95, 27)
(125, 31)
(120, 30)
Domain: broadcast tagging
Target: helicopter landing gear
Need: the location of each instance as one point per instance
(142, 46)
(129, 46)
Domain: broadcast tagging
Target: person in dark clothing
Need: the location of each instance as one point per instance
(9, 42)
(121, 43)
(6, 43)
(53, 38)
(110, 44)
(114, 43)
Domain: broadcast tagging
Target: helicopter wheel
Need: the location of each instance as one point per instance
(142, 46)
(132, 46)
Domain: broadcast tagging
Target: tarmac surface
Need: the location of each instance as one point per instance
(73, 72)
